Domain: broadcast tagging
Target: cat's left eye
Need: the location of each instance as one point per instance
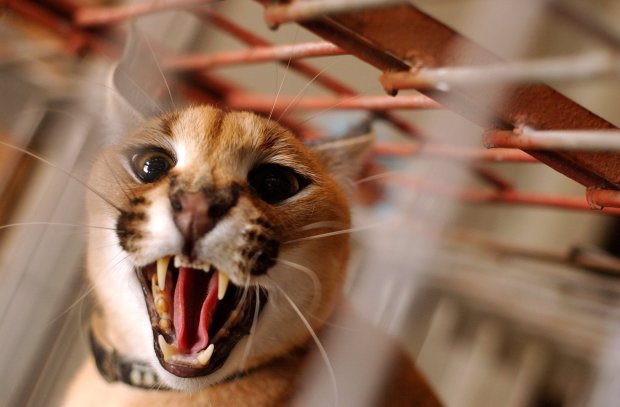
(274, 183)
(151, 165)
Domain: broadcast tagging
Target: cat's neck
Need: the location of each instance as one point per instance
(114, 366)
(271, 385)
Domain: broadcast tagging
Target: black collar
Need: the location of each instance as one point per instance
(117, 368)
(114, 367)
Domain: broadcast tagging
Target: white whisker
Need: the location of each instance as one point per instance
(288, 64)
(66, 172)
(338, 232)
(303, 90)
(118, 181)
(142, 91)
(311, 274)
(375, 177)
(109, 273)
(314, 336)
(161, 72)
(11, 225)
(327, 224)
(327, 109)
(248, 345)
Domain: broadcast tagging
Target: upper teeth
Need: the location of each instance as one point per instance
(222, 284)
(162, 268)
(180, 261)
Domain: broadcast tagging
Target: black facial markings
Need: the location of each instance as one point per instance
(131, 216)
(126, 230)
(263, 222)
(262, 247)
(223, 200)
(139, 200)
(267, 258)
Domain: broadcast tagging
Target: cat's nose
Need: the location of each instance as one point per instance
(196, 213)
(191, 215)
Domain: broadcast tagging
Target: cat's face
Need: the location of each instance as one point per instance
(205, 197)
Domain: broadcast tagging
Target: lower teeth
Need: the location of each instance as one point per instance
(172, 355)
(165, 324)
(204, 356)
(168, 350)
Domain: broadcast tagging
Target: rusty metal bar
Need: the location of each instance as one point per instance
(395, 38)
(107, 15)
(493, 179)
(252, 39)
(301, 67)
(584, 66)
(520, 198)
(495, 155)
(253, 55)
(579, 140)
(375, 103)
(57, 20)
(509, 196)
(304, 10)
(603, 198)
(433, 150)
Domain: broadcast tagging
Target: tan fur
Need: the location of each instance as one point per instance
(213, 149)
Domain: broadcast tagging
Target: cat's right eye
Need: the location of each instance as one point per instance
(151, 165)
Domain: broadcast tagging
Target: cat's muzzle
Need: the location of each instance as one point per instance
(196, 314)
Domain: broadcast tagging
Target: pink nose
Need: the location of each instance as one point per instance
(196, 213)
(191, 215)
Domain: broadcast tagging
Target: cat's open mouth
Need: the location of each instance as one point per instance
(197, 316)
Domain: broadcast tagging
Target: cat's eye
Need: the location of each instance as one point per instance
(274, 183)
(151, 165)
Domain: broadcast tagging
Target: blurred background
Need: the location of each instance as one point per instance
(496, 268)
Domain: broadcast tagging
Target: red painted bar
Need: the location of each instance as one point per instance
(603, 198)
(253, 55)
(98, 16)
(510, 197)
(309, 71)
(374, 103)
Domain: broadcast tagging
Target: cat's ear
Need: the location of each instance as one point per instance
(133, 87)
(345, 157)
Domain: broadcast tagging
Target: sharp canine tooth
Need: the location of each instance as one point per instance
(162, 268)
(166, 349)
(204, 356)
(222, 284)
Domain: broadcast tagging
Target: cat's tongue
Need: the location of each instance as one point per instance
(195, 299)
